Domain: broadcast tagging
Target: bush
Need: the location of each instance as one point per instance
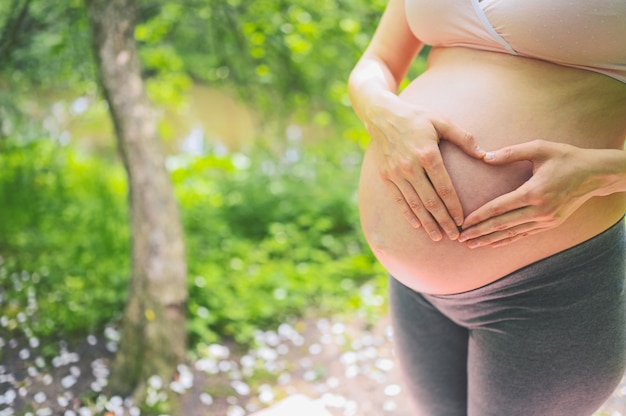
(63, 237)
(267, 237)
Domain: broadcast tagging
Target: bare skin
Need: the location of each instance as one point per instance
(554, 174)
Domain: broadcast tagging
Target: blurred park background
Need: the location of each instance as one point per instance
(261, 152)
(259, 142)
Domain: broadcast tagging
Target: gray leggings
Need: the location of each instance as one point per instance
(546, 340)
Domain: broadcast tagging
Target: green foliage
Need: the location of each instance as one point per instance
(63, 237)
(45, 48)
(49, 46)
(285, 56)
(271, 238)
(287, 60)
(268, 236)
(267, 50)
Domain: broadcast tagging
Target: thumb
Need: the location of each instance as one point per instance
(530, 151)
(460, 137)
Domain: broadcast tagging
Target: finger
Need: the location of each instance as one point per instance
(445, 191)
(505, 237)
(401, 202)
(433, 206)
(454, 134)
(500, 223)
(437, 192)
(507, 241)
(420, 210)
(533, 150)
(505, 203)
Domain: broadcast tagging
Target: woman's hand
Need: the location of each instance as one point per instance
(405, 142)
(564, 177)
(405, 137)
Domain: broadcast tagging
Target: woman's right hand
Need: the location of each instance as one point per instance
(405, 141)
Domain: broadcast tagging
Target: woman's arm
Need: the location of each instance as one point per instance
(386, 60)
(405, 137)
(564, 178)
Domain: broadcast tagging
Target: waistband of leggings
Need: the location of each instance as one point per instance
(612, 238)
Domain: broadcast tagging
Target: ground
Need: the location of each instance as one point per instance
(345, 367)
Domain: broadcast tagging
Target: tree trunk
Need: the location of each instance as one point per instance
(153, 328)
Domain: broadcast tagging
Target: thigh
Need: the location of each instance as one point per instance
(562, 357)
(432, 353)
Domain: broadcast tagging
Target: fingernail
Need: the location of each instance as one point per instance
(462, 238)
(435, 235)
(490, 156)
(473, 244)
(458, 221)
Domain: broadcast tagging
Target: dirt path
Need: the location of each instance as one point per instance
(344, 367)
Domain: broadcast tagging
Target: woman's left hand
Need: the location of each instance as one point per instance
(564, 177)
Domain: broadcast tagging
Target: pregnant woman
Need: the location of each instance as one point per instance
(493, 192)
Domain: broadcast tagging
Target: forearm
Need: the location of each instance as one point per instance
(610, 171)
(375, 79)
(371, 83)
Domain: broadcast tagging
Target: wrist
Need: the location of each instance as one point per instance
(369, 84)
(380, 104)
(610, 171)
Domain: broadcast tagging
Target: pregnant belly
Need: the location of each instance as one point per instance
(445, 266)
(472, 95)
